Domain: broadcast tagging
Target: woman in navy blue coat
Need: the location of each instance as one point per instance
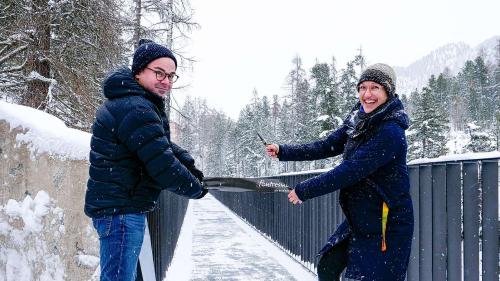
(374, 241)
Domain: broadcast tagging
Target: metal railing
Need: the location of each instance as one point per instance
(165, 225)
(456, 220)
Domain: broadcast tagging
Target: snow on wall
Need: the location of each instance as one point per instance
(26, 254)
(46, 133)
(457, 157)
(44, 234)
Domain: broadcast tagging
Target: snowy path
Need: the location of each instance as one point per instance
(216, 245)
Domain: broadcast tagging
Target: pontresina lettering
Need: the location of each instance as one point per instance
(271, 184)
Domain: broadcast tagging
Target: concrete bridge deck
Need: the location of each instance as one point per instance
(215, 244)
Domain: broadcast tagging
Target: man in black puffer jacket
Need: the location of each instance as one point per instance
(132, 158)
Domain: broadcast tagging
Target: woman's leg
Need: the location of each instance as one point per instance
(333, 262)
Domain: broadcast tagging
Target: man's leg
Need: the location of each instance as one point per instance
(333, 262)
(121, 239)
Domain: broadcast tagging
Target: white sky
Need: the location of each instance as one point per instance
(244, 45)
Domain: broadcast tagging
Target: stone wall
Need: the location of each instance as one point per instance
(71, 236)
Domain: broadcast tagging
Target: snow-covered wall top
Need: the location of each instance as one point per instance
(457, 157)
(46, 133)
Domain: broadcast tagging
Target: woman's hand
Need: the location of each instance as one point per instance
(272, 150)
(293, 198)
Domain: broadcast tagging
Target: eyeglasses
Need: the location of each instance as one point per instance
(374, 89)
(160, 75)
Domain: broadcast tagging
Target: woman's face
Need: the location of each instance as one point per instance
(371, 95)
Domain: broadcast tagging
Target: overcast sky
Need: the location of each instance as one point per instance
(243, 45)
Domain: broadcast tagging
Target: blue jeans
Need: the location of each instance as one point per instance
(120, 239)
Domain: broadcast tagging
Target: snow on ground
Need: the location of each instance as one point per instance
(182, 264)
(215, 244)
(25, 254)
(457, 141)
(46, 133)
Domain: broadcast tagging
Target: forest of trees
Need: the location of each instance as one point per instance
(466, 104)
(54, 55)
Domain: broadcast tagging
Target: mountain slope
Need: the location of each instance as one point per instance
(452, 56)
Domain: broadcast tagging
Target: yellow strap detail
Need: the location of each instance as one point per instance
(385, 213)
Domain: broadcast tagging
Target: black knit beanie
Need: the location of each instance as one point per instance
(147, 52)
(380, 73)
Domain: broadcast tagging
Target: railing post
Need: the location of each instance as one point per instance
(439, 222)
(426, 223)
(489, 176)
(454, 220)
(471, 221)
(414, 265)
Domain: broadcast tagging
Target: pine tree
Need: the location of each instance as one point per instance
(440, 88)
(457, 104)
(296, 80)
(405, 100)
(188, 129)
(495, 95)
(486, 111)
(480, 140)
(215, 143)
(473, 81)
(86, 44)
(55, 54)
(230, 157)
(428, 130)
(286, 134)
(347, 87)
(274, 118)
(327, 96)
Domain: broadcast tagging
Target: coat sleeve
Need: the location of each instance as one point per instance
(379, 150)
(331, 146)
(183, 155)
(143, 134)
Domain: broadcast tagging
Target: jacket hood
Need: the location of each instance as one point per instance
(121, 83)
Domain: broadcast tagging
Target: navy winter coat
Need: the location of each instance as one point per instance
(373, 171)
(132, 158)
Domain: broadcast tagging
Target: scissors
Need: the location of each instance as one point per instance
(262, 139)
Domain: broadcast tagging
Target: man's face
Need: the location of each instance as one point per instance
(150, 76)
(371, 95)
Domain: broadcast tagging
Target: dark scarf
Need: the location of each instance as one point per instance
(359, 122)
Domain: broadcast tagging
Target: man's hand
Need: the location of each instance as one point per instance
(293, 198)
(203, 193)
(272, 150)
(197, 173)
